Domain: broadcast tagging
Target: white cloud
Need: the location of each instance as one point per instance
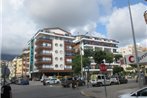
(119, 26)
(23, 18)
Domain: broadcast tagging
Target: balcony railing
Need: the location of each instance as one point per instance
(39, 48)
(42, 62)
(41, 40)
(40, 55)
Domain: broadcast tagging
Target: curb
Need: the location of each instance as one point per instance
(86, 94)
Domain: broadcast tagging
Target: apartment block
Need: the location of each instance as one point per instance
(51, 53)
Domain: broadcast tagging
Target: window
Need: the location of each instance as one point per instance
(61, 45)
(61, 58)
(56, 65)
(61, 66)
(61, 52)
(56, 58)
(56, 44)
(56, 51)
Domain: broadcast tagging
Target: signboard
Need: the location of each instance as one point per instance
(131, 59)
(103, 68)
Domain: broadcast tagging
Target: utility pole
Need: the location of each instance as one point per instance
(135, 48)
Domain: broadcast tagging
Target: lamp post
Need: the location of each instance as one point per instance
(145, 16)
(81, 54)
(135, 48)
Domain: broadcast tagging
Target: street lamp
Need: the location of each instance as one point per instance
(81, 54)
(135, 48)
(145, 16)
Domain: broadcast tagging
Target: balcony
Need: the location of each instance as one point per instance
(39, 48)
(40, 55)
(68, 63)
(43, 62)
(69, 50)
(41, 40)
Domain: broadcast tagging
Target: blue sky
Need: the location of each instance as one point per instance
(21, 19)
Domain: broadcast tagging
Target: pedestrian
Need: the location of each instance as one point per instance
(73, 82)
(6, 91)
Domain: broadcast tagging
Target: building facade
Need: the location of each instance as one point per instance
(51, 53)
(17, 67)
(96, 43)
(25, 61)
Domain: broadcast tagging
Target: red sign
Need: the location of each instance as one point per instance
(103, 67)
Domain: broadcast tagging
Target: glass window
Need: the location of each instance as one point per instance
(56, 44)
(61, 45)
(56, 65)
(56, 58)
(56, 51)
(61, 58)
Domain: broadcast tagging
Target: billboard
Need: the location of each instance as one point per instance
(131, 59)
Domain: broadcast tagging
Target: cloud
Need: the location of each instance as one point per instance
(23, 18)
(119, 26)
(17, 29)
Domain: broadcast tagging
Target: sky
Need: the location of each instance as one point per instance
(21, 19)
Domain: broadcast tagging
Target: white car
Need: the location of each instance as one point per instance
(52, 81)
(141, 93)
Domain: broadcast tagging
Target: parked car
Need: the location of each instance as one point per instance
(141, 93)
(98, 80)
(66, 82)
(81, 82)
(52, 81)
(22, 81)
(114, 80)
(122, 80)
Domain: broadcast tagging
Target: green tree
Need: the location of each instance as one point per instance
(99, 56)
(88, 53)
(117, 57)
(77, 63)
(117, 69)
(109, 57)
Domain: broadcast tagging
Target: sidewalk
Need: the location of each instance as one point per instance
(113, 91)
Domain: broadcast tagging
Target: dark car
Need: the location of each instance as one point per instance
(22, 81)
(81, 82)
(123, 80)
(66, 82)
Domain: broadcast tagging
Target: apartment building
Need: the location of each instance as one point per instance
(17, 67)
(25, 61)
(96, 43)
(51, 53)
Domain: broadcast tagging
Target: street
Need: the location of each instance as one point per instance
(40, 91)
(37, 90)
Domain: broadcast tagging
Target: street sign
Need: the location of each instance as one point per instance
(5, 71)
(131, 59)
(103, 68)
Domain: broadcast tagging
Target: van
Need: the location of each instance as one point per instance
(98, 80)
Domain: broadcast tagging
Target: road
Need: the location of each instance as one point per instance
(40, 91)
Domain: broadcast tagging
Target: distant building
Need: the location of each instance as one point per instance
(25, 61)
(17, 67)
(96, 43)
(51, 53)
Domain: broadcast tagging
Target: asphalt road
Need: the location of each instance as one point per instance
(40, 91)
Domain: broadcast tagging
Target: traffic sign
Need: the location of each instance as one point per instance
(103, 68)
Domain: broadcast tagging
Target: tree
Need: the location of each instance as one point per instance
(99, 56)
(117, 57)
(88, 53)
(77, 63)
(117, 69)
(109, 57)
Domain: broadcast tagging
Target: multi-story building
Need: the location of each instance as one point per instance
(129, 49)
(51, 52)
(96, 43)
(17, 67)
(25, 61)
